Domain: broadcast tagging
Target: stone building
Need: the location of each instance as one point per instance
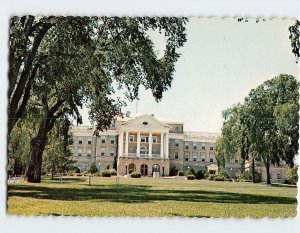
(145, 142)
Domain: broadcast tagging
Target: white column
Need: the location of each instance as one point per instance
(121, 134)
(167, 146)
(150, 145)
(162, 145)
(138, 144)
(126, 143)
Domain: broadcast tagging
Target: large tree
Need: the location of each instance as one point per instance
(59, 64)
(273, 137)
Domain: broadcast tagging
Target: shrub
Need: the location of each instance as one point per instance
(78, 174)
(98, 174)
(71, 174)
(106, 173)
(200, 175)
(113, 172)
(135, 175)
(180, 173)
(223, 174)
(292, 175)
(206, 175)
(190, 177)
(173, 171)
(211, 177)
(247, 176)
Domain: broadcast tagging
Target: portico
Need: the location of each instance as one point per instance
(143, 137)
(143, 143)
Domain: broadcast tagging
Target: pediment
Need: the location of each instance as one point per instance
(146, 121)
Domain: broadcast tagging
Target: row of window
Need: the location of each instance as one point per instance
(102, 138)
(112, 152)
(195, 145)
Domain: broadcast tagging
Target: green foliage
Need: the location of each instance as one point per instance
(113, 52)
(190, 172)
(173, 171)
(247, 176)
(223, 174)
(292, 175)
(113, 172)
(294, 38)
(211, 177)
(180, 173)
(265, 127)
(93, 168)
(190, 177)
(135, 175)
(206, 175)
(200, 175)
(106, 173)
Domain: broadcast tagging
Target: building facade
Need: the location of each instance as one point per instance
(146, 143)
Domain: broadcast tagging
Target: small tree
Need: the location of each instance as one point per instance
(93, 169)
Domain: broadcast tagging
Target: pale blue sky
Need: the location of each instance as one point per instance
(221, 62)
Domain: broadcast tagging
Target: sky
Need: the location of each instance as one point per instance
(222, 60)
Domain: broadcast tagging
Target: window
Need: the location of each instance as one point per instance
(144, 138)
(112, 139)
(143, 150)
(211, 157)
(80, 140)
(154, 139)
(203, 146)
(279, 176)
(177, 129)
(102, 151)
(103, 139)
(195, 146)
(88, 153)
(89, 141)
(186, 156)
(176, 142)
(203, 157)
(112, 152)
(186, 145)
(79, 152)
(194, 157)
(176, 155)
(113, 125)
(131, 138)
(211, 147)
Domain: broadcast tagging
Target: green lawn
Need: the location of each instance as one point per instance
(149, 197)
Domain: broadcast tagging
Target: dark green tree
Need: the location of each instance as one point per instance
(58, 64)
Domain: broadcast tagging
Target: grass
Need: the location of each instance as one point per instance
(147, 197)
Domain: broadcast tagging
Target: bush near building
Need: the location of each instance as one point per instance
(173, 171)
(180, 173)
(247, 176)
(135, 175)
(190, 177)
(191, 172)
(292, 175)
(106, 173)
(200, 175)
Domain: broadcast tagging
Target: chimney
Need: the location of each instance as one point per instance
(152, 115)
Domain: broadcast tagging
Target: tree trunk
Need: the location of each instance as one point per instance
(268, 172)
(253, 170)
(37, 145)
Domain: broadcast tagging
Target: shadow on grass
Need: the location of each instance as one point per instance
(140, 194)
